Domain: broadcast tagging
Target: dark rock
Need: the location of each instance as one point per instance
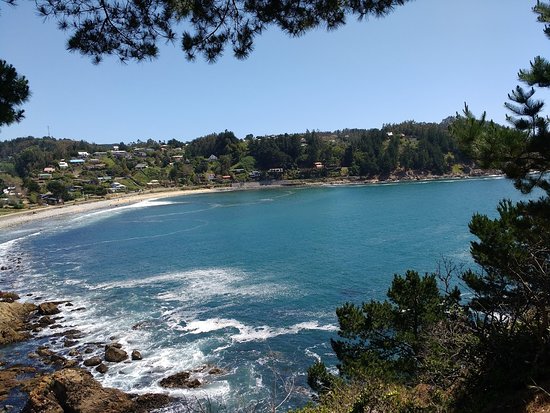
(69, 305)
(136, 355)
(50, 357)
(112, 338)
(216, 371)
(70, 343)
(46, 320)
(138, 326)
(74, 353)
(181, 380)
(79, 309)
(92, 361)
(102, 368)
(8, 297)
(115, 345)
(3, 268)
(148, 402)
(70, 364)
(212, 370)
(115, 354)
(48, 308)
(88, 350)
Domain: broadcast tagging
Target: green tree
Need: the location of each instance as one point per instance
(131, 30)
(385, 339)
(14, 91)
(58, 189)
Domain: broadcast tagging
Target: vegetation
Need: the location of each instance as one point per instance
(131, 30)
(14, 91)
(48, 170)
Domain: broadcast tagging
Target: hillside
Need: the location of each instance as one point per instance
(35, 171)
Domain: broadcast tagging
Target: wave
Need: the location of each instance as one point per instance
(91, 217)
(248, 333)
(197, 285)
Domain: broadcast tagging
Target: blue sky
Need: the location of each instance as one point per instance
(420, 63)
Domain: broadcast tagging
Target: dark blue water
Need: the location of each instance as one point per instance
(247, 281)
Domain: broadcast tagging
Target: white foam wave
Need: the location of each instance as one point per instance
(109, 211)
(248, 333)
(197, 285)
(149, 203)
(217, 274)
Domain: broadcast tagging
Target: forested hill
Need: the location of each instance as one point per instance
(65, 168)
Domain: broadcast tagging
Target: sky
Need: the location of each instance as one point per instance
(422, 62)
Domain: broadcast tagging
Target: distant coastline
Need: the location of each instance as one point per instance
(15, 219)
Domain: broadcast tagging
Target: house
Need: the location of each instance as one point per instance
(76, 161)
(275, 171)
(318, 165)
(116, 186)
(177, 158)
(212, 158)
(120, 154)
(49, 169)
(105, 178)
(141, 166)
(254, 174)
(100, 154)
(50, 199)
(83, 154)
(44, 176)
(63, 165)
(153, 182)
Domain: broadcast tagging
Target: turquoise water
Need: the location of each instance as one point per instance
(247, 281)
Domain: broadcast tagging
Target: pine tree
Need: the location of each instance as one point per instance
(14, 91)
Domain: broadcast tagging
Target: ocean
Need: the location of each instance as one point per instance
(246, 281)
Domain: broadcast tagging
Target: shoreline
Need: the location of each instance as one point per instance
(15, 219)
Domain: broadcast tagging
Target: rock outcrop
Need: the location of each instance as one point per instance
(13, 317)
(181, 380)
(92, 361)
(48, 308)
(115, 354)
(75, 390)
(8, 297)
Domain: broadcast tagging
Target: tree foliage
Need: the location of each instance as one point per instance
(14, 91)
(132, 29)
(387, 340)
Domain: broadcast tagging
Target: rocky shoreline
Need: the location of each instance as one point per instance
(56, 383)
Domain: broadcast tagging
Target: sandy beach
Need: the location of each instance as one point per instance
(18, 218)
(115, 200)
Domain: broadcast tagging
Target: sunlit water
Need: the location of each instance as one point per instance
(247, 281)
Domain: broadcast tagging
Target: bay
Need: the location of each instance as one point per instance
(247, 281)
